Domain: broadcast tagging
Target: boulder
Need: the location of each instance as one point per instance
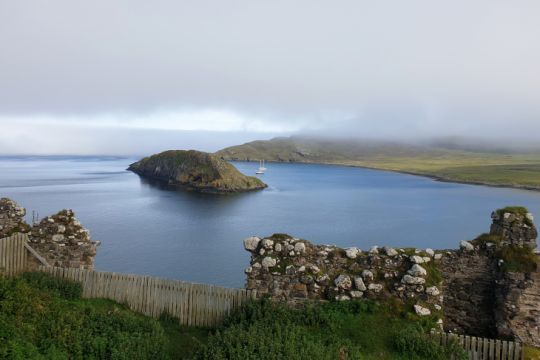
(390, 251)
(433, 291)
(417, 270)
(375, 287)
(300, 247)
(359, 283)
(343, 282)
(356, 294)
(466, 246)
(251, 243)
(268, 244)
(352, 252)
(430, 252)
(413, 280)
(374, 250)
(367, 275)
(415, 259)
(421, 311)
(268, 262)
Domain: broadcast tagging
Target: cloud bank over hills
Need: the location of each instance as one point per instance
(357, 68)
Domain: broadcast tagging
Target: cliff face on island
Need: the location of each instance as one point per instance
(490, 287)
(195, 170)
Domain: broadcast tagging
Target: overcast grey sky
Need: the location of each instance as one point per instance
(91, 76)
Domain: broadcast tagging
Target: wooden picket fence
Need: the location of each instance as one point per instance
(193, 304)
(482, 348)
(13, 255)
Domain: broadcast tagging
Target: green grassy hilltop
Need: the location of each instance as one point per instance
(195, 170)
(481, 166)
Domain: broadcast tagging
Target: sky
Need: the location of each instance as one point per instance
(130, 76)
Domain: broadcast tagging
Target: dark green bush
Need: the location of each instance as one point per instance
(518, 259)
(335, 330)
(517, 210)
(412, 343)
(43, 318)
(59, 287)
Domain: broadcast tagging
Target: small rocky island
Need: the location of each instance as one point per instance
(195, 170)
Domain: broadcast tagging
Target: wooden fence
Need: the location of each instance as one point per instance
(481, 348)
(13, 255)
(193, 304)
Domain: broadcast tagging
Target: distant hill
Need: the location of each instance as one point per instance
(195, 170)
(491, 166)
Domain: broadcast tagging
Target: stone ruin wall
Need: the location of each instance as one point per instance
(60, 238)
(465, 288)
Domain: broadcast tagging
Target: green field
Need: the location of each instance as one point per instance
(497, 168)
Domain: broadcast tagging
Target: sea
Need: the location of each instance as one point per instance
(147, 229)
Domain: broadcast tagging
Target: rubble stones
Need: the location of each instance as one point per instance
(343, 282)
(251, 243)
(466, 246)
(359, 284)
(352, 252)
(415, 259)
(421, 311)
(417, 270)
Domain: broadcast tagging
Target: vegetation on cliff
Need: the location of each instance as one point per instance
(482, 166)
(195, 170)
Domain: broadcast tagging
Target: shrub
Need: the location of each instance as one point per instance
(486, 238)
(43, 317)
(517, 210)
(518, 259)
(411, 343)
(335, 330)
(63, 288)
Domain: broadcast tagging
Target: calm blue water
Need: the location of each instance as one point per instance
(198, 237)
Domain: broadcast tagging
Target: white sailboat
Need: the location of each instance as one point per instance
(261, 169)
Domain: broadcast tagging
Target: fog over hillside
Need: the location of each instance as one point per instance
(127, 77)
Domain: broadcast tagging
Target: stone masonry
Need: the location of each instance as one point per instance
(60, 238)
(466, 288)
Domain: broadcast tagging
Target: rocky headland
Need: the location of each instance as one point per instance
(195, 170)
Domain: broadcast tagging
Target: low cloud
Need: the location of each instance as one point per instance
(358, 68)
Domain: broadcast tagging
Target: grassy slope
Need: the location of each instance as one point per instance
(491, 168)
(44, 318)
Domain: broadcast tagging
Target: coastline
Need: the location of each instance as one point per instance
(430, 176)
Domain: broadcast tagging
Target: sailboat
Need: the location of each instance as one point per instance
(261, 169)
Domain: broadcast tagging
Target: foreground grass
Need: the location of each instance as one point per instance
(532, 353)
(45, 318)
(336, 330)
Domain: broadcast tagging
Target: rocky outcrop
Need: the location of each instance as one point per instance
(195, 170)
(60, 239)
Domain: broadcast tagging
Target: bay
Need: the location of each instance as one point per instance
(145, 229)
